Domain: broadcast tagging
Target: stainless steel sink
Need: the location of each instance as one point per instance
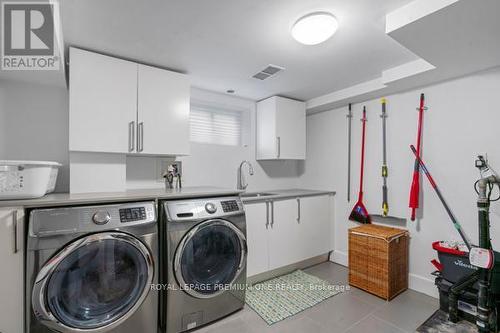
(256, 195)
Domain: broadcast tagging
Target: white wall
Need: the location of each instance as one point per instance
(34, 125)
(217, 165)
(3, 117)
(462, 120)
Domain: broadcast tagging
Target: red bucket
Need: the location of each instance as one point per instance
(453, 264)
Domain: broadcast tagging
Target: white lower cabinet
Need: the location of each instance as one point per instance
(12, 259)
(284, 237)
(257, 216)
(284, 232)
(316, 225)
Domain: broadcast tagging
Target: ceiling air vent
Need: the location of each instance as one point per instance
(267, 72)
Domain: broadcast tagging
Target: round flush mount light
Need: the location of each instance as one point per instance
(314, 28)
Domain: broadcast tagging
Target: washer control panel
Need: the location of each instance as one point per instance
(71, 220)
(230, 206)
(132, 214)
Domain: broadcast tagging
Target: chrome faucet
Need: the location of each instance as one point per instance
(242, 184)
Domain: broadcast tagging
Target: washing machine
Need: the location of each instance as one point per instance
(205, 250)
(92, 269)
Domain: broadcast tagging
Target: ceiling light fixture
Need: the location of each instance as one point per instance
(314, 28)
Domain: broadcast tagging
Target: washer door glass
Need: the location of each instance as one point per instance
(211, 258)
(96, 284)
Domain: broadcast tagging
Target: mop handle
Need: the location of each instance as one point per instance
(363, 120)
(349, 117)
(420, 117)
(385, 204)
(438, 192)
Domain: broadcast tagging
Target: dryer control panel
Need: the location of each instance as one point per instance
(207, 208)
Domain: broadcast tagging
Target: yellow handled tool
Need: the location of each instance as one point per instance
(385, 204)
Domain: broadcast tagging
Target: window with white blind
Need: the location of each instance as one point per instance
(215, 125)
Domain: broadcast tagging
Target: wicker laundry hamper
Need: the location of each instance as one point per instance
(378, 260)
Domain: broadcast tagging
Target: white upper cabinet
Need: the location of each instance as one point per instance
(102, 102)
(281, 129)
(163, 112)
(119, 106)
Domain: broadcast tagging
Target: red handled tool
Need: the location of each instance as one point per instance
(349, 118)
(359, 212)
(440, 196)
(415, 185)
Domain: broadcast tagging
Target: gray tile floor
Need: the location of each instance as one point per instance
(352, 311)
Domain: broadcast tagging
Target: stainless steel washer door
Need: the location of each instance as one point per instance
(93, 284)
(210, 258)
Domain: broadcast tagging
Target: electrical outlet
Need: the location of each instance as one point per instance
(481, 161)
(162, 166)
(178, 165)
(483, 155)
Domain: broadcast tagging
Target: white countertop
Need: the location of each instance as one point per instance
(282, 195)
(66, 199)
(69, 199)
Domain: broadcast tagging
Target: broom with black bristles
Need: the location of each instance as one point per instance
(359, 212)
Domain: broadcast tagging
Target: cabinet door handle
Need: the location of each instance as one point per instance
(14, 226)
(278, 144)
(298, 210)
(140, 137)
(272, 213)
(267, 214)
(131, 136)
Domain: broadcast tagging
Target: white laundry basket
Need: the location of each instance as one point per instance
(27, 179)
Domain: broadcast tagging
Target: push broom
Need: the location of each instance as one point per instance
(359, 212)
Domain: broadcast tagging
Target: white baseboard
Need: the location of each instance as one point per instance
(423, 285)
(415, 282)
(340, 258)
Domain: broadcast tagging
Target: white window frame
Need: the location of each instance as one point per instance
(244, 122)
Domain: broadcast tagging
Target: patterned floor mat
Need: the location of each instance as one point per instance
(287, 295)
